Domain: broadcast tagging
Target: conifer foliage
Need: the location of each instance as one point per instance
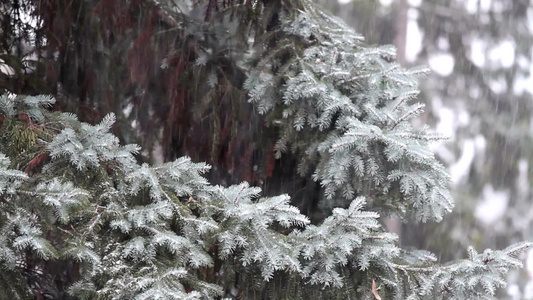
(141, 232)
(81, 218)
(345, 106)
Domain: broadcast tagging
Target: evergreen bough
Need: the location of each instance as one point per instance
(70, 194)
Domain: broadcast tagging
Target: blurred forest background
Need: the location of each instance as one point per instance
(173, 97)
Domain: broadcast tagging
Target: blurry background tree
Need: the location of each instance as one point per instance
(160, 79)
(480, 94)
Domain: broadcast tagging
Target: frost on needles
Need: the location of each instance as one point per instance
(71, 195)
(143, 232)
(346, 108)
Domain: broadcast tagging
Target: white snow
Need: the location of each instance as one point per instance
(477, 52)
(413, 44)
(492, 205)
(414, 3)
(514, 291)
(6, 69)
(485, 5)
(471, 6)
(521, 84)
(128, 109)
(386, 2)
(498, 85)
(460, 169)
(463, 118)
(442, 63)
(481, 144)
(443, 43)
(503, 53)
(446, 124)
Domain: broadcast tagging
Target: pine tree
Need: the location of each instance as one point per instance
(488, 45)
(81, 217)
